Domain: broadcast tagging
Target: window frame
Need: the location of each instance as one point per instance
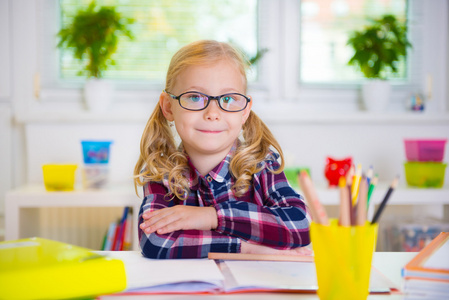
(278, 89)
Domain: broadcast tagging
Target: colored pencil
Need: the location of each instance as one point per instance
(370, 203)
(369, 175)
(317, 211)
(385, 200)
(371, 187)
(361, 204)
(344, 219)
(265, 257)
(349, 177)
(356, 183)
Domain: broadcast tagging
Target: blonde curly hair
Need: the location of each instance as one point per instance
(160, 158)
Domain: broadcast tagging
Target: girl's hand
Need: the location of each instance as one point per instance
(179, 217)
(259, 249)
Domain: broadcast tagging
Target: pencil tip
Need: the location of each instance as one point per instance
(395, 182)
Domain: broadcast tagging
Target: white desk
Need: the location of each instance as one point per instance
(388, 263)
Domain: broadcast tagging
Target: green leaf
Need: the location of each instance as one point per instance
(379, 47)
(94, 34)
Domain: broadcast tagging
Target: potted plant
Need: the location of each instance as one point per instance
(378, 49)
(93, 35)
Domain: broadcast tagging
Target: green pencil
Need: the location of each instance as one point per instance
(371, 188)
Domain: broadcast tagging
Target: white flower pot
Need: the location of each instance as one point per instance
(98, 94)
(376, 95)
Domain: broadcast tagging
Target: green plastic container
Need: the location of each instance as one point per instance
(425, 174)
(292, 174)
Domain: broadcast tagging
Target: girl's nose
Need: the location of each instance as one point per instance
(213, 111)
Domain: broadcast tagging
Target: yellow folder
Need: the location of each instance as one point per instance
(37, 268)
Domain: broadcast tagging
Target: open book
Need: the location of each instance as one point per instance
(148, 276)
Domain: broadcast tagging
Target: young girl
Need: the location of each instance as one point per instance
(222, 189)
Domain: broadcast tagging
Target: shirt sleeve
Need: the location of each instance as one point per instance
(181, 243)
(275, 216)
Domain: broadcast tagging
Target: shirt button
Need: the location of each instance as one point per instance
(209, 178)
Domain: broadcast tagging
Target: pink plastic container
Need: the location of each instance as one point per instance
(425, 149)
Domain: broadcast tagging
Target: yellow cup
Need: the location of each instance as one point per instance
(343, 257)
(59, 177)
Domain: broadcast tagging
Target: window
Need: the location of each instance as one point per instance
(305, 66)
(161, 27)
(325, 27)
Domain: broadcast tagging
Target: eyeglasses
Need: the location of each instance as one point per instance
(195, 101)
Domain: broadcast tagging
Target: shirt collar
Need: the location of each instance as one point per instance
(218, 173)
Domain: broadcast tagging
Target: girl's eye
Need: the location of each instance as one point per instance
(227, 99)
(195, 97)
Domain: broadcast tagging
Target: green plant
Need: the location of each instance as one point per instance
(258, 56)
(379, 47)
(94, 34)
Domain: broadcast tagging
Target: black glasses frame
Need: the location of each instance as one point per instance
(208, 100)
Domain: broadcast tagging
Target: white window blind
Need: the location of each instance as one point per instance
(161, 27)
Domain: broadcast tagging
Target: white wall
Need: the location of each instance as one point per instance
(35, 136)
(61, 143)
(5, 106)
(372, 141)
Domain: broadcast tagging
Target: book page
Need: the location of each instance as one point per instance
(143, 272)
(295, 276)
(440, 258)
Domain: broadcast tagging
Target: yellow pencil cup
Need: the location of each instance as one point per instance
(343, 257)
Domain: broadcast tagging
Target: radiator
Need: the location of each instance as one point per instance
(81, 226)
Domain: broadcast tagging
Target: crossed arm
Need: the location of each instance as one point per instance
(180, 217)
(169, 229)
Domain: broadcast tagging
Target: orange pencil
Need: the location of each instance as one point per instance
(344, 203)
(361, 204)
(316, 209)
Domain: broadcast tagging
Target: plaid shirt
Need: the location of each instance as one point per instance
(271, 213)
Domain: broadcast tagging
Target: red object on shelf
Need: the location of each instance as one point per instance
(335, 168)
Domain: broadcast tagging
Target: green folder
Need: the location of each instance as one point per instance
(36, 268)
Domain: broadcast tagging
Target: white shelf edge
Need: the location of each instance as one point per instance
(36, 196)
(289, 117)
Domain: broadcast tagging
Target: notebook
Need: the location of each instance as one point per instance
(427, 274)
(432, 262)
(36, 268)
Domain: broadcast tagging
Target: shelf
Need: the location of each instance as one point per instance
(21, 203)
(402, 195)
(121, 195)
(37, 196)
(287, 115)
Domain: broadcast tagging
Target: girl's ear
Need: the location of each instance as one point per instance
(165, 104)
(247, 110)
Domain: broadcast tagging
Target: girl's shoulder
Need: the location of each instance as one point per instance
(155, 187)
(270, 162)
